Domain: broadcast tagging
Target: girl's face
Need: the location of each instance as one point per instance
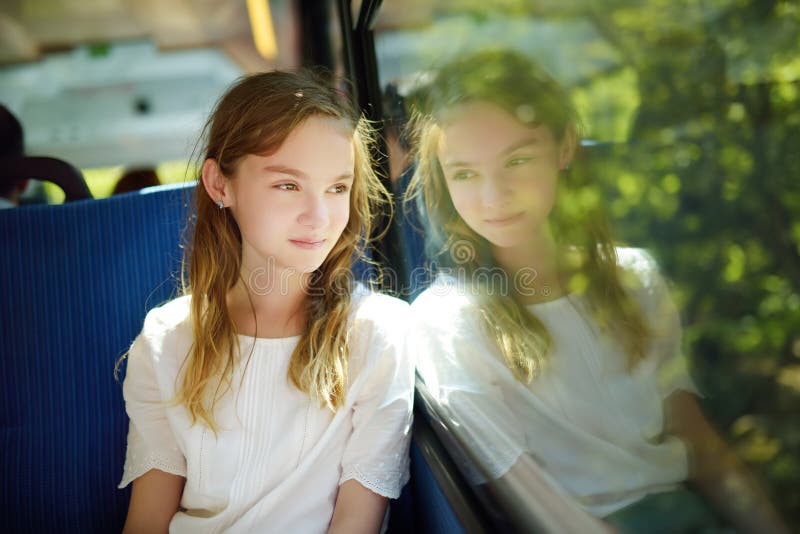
(293, 205)
(501, 173)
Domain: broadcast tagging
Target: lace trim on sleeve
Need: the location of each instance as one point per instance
(135, 467)
(386, 484)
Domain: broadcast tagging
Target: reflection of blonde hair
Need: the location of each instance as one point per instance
(517, 85)
(255, 116)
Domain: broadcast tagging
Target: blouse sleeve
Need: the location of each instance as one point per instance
(671, 367)
(376, 455)
(466, 381)
(151, 442)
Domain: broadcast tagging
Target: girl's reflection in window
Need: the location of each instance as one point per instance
(540, 337)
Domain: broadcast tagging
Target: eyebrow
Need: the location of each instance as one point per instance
(282, 169)
(528, 141)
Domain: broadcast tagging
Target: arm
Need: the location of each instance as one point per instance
(375, 459)
(357, 510)
(717, 473)
(154, 500)
(714, 470)
(153, 461)
(534, 500)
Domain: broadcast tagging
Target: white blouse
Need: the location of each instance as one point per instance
(279, 457)
(595, 427)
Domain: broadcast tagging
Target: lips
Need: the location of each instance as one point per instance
(308, 243)
(505, 219)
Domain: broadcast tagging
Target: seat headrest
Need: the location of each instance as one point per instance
(68, 178)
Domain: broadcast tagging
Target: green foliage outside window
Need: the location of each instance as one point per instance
(709, 180)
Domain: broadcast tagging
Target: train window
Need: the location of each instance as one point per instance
(608, 291)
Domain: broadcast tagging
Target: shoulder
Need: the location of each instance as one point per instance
(641, 276)
(446, 303)
(167, 325)
(639, 262)
(378, 331)
(367, 302)
(378, 314)
(158, 351)
(643, 280)
(169, 315)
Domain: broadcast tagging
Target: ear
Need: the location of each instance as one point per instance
(569, 143)
(215, 183)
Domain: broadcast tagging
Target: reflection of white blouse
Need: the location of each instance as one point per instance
(279, 458)
(595, 427)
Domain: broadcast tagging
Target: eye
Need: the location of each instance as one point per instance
(287, 187)
(463, 174)
(339, 189)
(518, 160)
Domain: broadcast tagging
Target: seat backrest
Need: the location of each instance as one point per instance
(61, 173)
(76, 282)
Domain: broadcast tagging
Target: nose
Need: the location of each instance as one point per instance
(496, 191)
(314, 213)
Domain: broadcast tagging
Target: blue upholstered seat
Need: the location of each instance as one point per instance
(76, 281)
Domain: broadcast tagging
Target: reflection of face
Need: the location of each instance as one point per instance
(501, 173)
(293, 205)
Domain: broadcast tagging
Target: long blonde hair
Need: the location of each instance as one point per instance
(515, 84)
(255, 116)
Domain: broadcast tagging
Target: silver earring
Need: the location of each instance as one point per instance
(219, 203)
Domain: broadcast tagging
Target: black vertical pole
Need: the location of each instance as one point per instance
(346, 24)
(315, 37)
(362, 69)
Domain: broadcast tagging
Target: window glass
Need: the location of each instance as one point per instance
(607, 303)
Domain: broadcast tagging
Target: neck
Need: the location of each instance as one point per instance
(533, 267)
(268, 302)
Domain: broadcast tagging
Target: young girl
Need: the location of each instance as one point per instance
(549, 347)
(272, 396)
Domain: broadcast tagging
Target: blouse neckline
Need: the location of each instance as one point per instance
(269, 340)
(558, 301)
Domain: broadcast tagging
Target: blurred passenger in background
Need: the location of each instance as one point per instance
(136, 179)
(12, 145)
(556, 352)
